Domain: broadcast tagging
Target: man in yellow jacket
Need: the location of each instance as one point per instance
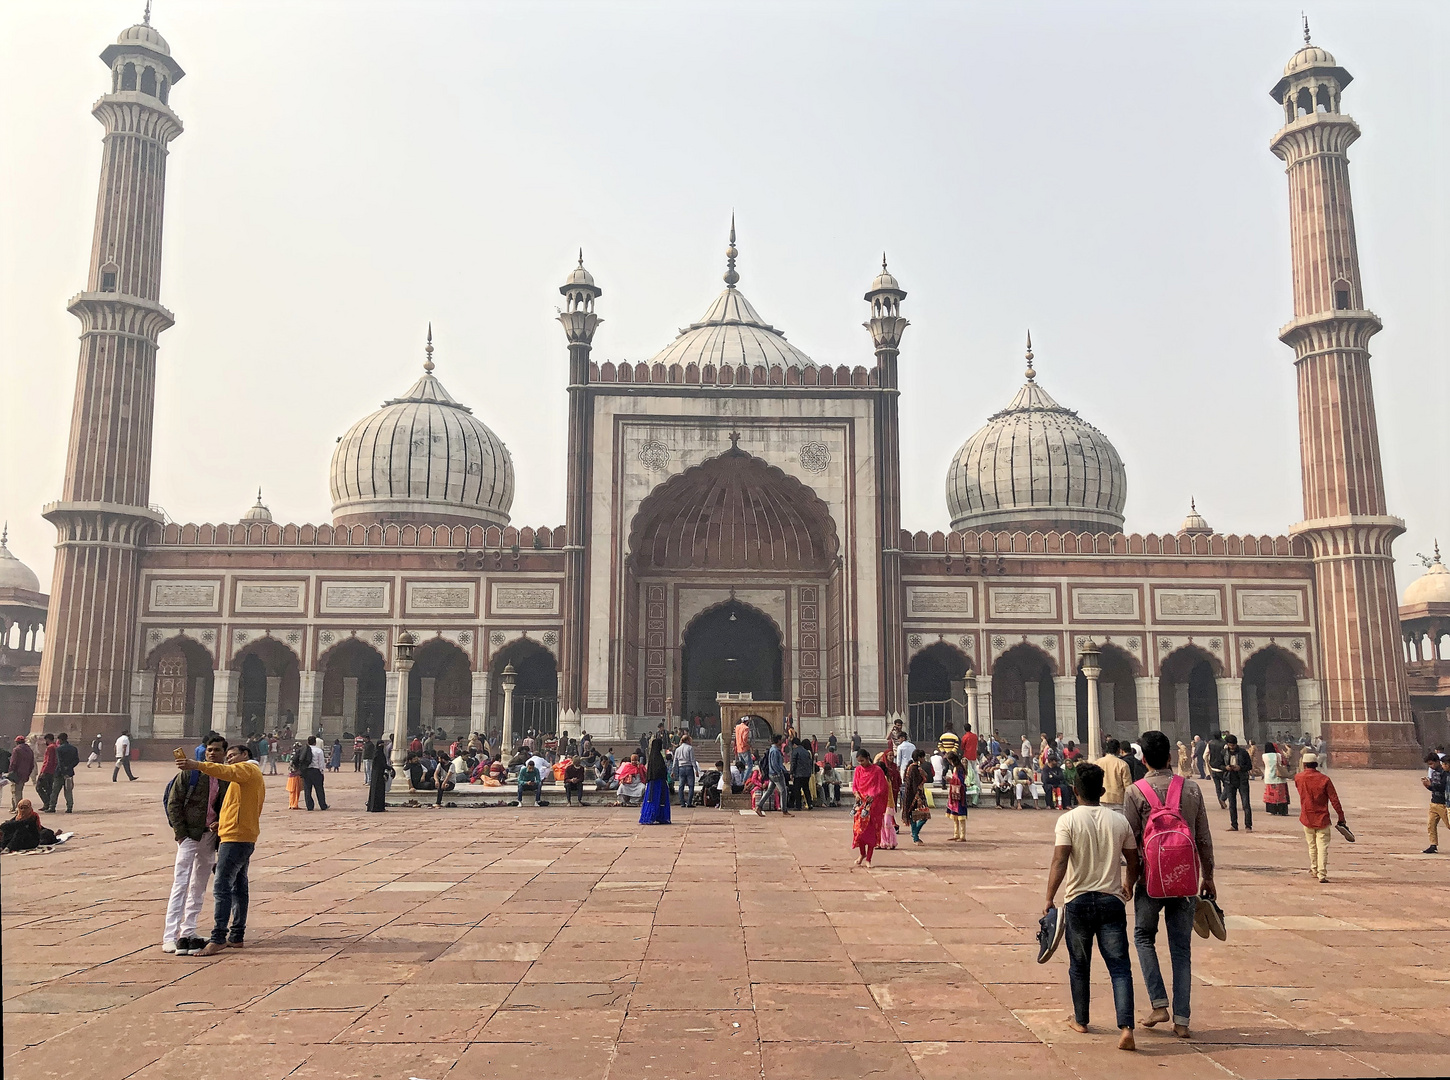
(238, 826)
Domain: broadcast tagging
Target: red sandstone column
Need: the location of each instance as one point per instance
(1346, 524)
(887, 326)
(103, 515)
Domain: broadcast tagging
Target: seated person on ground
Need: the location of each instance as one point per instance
(604, 777)
(419, 778)
(710, 784)
(631, 781)
(24, 831)
(831, 782)
(574, 781)
(529, 780)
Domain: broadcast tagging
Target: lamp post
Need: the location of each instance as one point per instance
(403, 661)
(508, 678)
(1092, 667)
(970, 686)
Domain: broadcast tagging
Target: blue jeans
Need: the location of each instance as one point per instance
(1105, 917)
(229, 894)
(1178, 916)
(686, 778)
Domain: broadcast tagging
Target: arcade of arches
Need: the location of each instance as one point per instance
(732, 523)
(936, 691)
(269, 686)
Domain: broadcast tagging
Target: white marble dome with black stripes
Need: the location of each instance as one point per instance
(422, 457)
(1037, 466)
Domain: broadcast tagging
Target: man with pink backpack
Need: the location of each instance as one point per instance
(1170, 824)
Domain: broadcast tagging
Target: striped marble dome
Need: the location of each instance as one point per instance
(422, 457)
(1036, 466)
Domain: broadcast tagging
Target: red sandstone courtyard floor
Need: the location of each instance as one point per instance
(574, 943)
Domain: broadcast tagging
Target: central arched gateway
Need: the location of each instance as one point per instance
(730, 649)
(732, 585)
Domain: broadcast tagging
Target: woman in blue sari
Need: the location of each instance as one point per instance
(655, 806)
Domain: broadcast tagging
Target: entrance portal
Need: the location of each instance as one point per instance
(731, 649)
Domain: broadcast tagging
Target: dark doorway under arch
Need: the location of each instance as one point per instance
(536, 690)
(1271, 696)
(1188, 694)
(933, 692)
(354, 690)
(732, 649)
(1024, 701)
(450, 698)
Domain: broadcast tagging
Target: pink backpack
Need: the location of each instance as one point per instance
(1170, 855)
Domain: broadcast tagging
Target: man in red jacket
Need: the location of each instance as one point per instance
(1316, 792)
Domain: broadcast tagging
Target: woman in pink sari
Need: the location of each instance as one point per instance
(873, 798)
(887, 764)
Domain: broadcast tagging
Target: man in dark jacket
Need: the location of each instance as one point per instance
(22, 764)
(802, 764)
(193, 806)
(1213, 756)
(1236, 767)
(67, 758)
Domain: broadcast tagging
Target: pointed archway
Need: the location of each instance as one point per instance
(732, 648)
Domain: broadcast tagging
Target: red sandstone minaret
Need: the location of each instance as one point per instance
(103, 512)
(1366, 699)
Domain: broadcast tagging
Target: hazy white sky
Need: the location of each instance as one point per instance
(1097, 171)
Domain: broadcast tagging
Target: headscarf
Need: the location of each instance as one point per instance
(869, 782)
(655, 767)
(24, 809)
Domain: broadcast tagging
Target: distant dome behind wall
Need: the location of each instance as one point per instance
(1037, 466)
(422, 457)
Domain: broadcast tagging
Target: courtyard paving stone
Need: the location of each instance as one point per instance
(574, 943)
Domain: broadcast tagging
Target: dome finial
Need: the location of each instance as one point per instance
(428, 349)
(5, 538)
(883, 262)
(146, 16)
(731, 277)
(1305, 17)
(1031, 375)
(581, 258)
(259, 494)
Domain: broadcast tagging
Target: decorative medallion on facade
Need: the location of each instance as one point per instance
(815, 457)
(1133, 643)
(654, 455)
(497, 638)
(1049, 643)
(999, 643)
(1215, 643)
(914, 641)
(549, 638)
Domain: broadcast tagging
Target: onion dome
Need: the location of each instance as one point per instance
(1431, 587)
(1309, 58)
(578, 276)
(732, 332)
(144, 35)
(258, 512)
(884, 281)
(1194, 524)
(1036, 466)
(14, 574)
(422, 457)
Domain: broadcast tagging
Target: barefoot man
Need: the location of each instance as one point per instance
(1091, 840)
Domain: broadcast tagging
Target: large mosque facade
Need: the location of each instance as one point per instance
(732, 526)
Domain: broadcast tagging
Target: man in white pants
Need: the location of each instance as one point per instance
(192, 807)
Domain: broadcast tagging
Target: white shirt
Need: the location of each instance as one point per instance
(123, 747)
(546, 771)
(939, 769)
(903, 754)
(319, 757)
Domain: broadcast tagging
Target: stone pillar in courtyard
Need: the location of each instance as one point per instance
(1231, 706)
(309, 703)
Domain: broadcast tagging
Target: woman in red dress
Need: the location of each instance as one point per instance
(873, 798)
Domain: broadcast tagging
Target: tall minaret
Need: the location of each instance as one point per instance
(887, 326)
(1366, 698)
(579, 322)
(104, 508)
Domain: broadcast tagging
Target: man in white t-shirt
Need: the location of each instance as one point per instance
(904, 752)
(123, 758)
(1090, 842)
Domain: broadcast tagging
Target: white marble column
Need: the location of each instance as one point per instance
(1311, 709)
(390, 704)
(143, 700)
(309, 703)
(478, 704)
(1150, 717)
(1064, 692)
(274, 701)
(226, 684)
(1231, 706)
